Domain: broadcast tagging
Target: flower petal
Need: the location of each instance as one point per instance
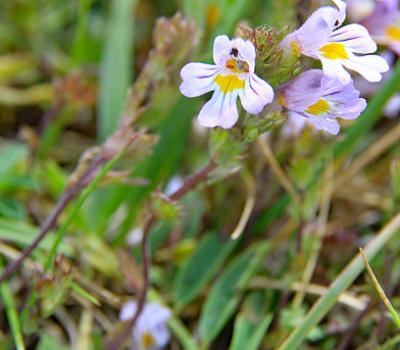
(247, 51)
(370, 67)
(392, 107)
(341, 5)
(221, 111)
(256, 94)
(304, 90)
(334, 69)
(353, 111)
(294, 124)
(198, 70)
(198, 79)
(327, 124)
(221, 50)
(355, 37)
(315, 31)
(128, 310)
(395, 47)
(155, 314)
(197, 87)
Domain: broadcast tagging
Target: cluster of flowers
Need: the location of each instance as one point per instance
(320, 96)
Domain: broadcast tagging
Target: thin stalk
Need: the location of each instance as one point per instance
(376, 149)
(282, 178)
(12, 316)
(248, 207)
(381, 292)
(325, 201)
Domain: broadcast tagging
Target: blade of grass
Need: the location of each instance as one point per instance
(341, 283)
(80, 52)
(390, 344)
(116, 66)
(12, 316)
(379, 289)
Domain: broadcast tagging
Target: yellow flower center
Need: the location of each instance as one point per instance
(334, 51)
(237, 66)
(148, 340)
(393, 33)
(229, 83)
(320, 107)
(281, 100)
(296, 49)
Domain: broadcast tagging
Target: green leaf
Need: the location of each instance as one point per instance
(52, 177)
(226, 293)
(12, 209)
(22, 234)
(12, 315)
(116, 65)
(17, 182)
(84, 47)
(251, 323)
(201, 268)
(50, 342)
(11, 155)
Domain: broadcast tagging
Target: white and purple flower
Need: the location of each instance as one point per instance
(337, 48)
(150, 332)
(384, 24)
(321, 99)
(231, 76)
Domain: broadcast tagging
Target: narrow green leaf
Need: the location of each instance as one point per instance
(201, 268)
(22, 234)
(251, 324)
(225, 295)
(80, 48)
(12, 315)
(381, 292)
(84, 293)
(116, 65)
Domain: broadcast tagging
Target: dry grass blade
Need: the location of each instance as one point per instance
(379, 289)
